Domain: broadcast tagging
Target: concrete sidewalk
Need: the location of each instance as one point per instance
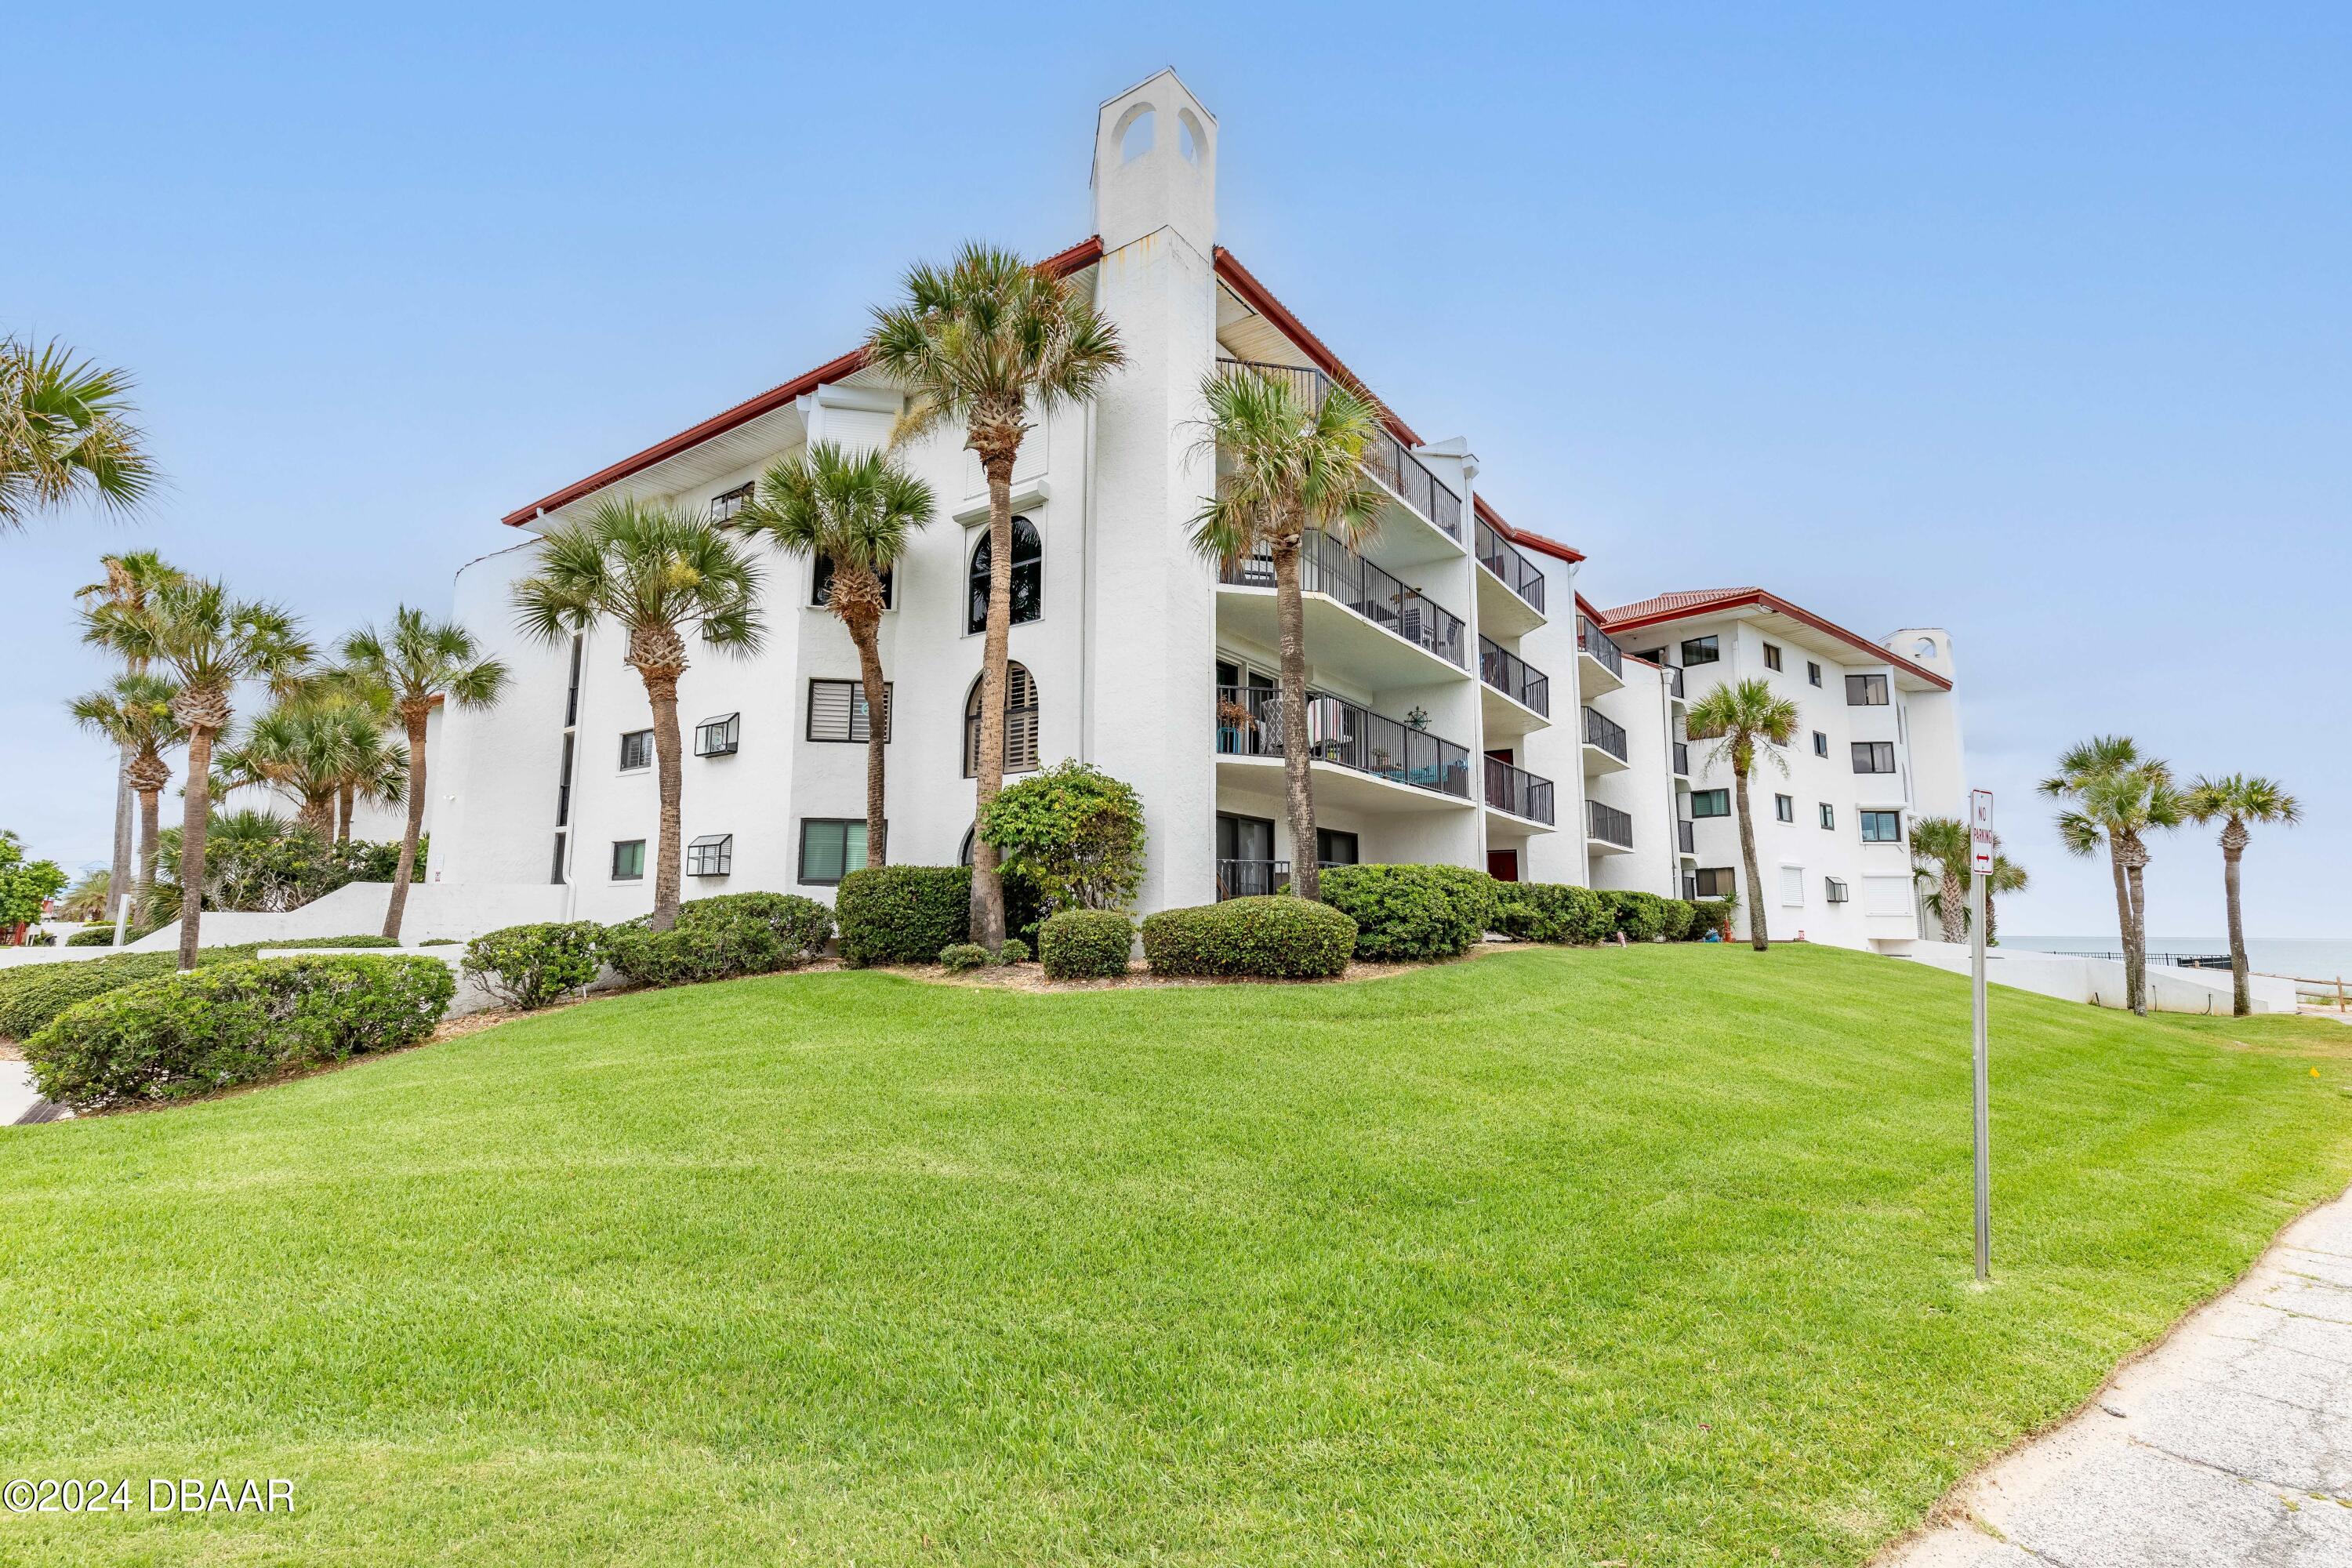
(2229, 1444)
(17, 1094)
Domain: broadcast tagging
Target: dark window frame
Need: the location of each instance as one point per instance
(849, 735)
(1873, 751)
(821, 583)
(1870, 837)
(1835, 890)
(639, 874)
(845, 824)
(976, 579)
(1709, 650)
(1711, 795)
(1821, 743)
(730, 740)
(1784, 807)
(712, 855)
(1033, 710)
(650, 751)
(726, 503)
(1716, 881)
(1812, 673)
(1829, 816)
(1771, 656)
(1865, 685)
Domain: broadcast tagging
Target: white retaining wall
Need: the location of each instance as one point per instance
(2071, 977)
(454, 910)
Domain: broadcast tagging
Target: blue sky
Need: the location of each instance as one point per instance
(2032, 321)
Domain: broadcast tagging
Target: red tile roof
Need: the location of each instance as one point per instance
(1682, 605)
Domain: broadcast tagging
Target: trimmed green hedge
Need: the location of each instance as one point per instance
(1559, 912)
(906, 914)
(959, 956)
(1277, 937)
(530, 966)
(719, 939)
(32, 996)
(1709, 915)
(1085, 945)
(1407, 913)
(1640, 917)
(212, 1028)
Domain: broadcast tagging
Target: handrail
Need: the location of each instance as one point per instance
(1514, 677)
(1248, 878)
(1347, 734)
(1386, 458)
(1605, 734)
(1674, 681)
(1517, 572)
(1592, 639)
(1327, 566)
(1518, 790)
(1608, 824)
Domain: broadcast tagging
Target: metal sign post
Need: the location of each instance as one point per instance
(1980, 853)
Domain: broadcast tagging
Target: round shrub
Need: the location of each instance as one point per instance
(960, 956)
(1640, 917)
(1408, 912)
(1679, 914)
(1277, 937)
(1085, 945)
(31, 996)
(186, 1035)
(1709, 915)
(1075, 831)
(802, 925)
(905, 914)
(692, 952)
(1014, 950)
(532, 965)
(1559, 913)
(100, 936)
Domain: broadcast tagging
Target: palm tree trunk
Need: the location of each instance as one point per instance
(150, 829)
(2139, 957)
(1760, 934)
(1992, 926)
(1297, 761)
(317, 815)
(668, 858)
(987, 879)
(193, 822)
(343, 804)
(2241, 996)
(119, 871)
(402, 873)
(869, 670)
(2123, 919)
(1954, 897)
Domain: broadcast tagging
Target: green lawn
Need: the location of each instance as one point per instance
(1658, 1255)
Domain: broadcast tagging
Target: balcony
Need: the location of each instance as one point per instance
(1682, 759)
(1510, 589)
(1600, 662)
(1517, 696)
(1685, 836)
(1607, 830)
(1371, 598)
(1385, 458)
(1604, 744)
(1251, 878)
(1518, 793)
(1346, 736)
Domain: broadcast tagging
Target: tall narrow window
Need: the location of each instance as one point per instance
(1028, 577)
(1771, 656)
(1020, 724)
(571, 696)
(1784, 807)
(1821, 744)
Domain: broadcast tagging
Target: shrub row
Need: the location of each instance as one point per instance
(1085, 945)
(909, 914)
(32, 996)
(215, 1027)
(1559, 913)
(1407, 913)
(713, 938)
(1277, 937)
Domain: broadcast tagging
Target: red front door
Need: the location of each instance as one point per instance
(1503, 865)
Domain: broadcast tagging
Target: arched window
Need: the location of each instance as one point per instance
(1028, 577)
(963, 855)
(1020, 724)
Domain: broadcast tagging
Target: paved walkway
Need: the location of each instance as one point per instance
(2229, 1444)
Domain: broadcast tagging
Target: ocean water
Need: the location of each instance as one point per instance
(2300, 957)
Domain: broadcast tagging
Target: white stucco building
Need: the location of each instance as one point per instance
(1470, 706)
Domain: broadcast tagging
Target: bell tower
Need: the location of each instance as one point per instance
(1155, 165)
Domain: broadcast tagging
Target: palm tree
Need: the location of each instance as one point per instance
(1746, 719)
(2235, 800)
(1287, 467)
(2117, 796)
(65, 430)
(88, 898)
(371, 774)
(135, 713)
(314, 753)
(657, 572)
(420, 661)
(1941, 851)
(2006, 877)
(129, 577)
(986, 340)
(856, 514)
(208, 642)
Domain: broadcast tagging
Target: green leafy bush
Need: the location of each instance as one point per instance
(333, 941)
(1014, 950)
(1557, 912)
(186, 1035)
(721, 938)
(959, 956)
(1073, 831)
(802, 925)
(1277, 937)
(1679, 916)
(1085, 945)
(101, 936)
(1411, 913)
(39, 938)
(32, 996)
(905, 914)
(1709, 915)
(532, 965)
(1640, 917)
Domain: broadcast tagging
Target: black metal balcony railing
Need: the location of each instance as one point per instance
(1249, 724)
(1605, 734)
(1674, 682)
(1608, 825)
(1514, 677)
(1327, 566)
(1500, 556)
(1251, 878)
(1592, 639)
(1685, 836)
(1386, 458)
(1518, 790)
(1682, 759)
